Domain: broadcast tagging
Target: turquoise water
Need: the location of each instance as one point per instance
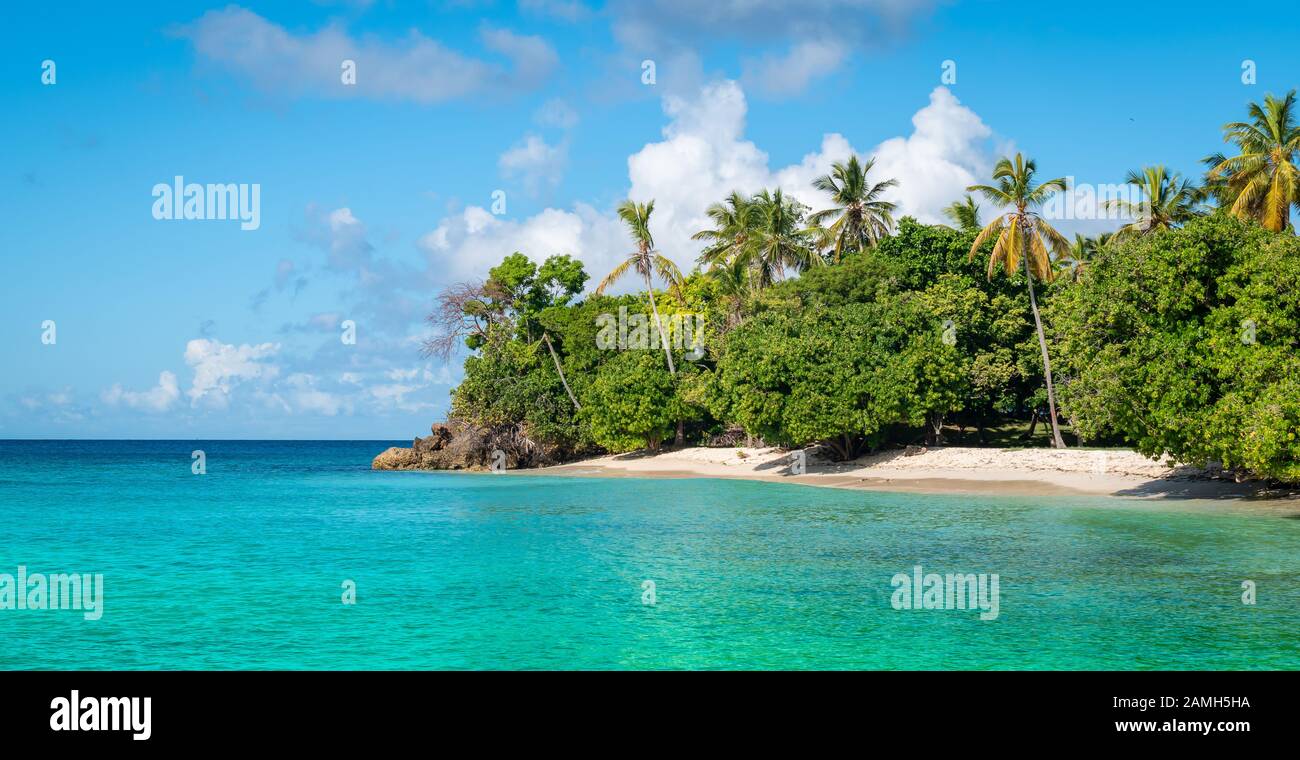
(242, 568)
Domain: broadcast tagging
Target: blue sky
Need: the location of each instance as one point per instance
(375, 195)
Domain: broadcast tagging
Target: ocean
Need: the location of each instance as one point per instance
(251, 566)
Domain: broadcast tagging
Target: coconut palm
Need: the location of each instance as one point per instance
(860, 217)
(763, 233)
(964, 213)
(647, 262)
(733, 223)
(1168, 199)
(779, 241)
(1024, 240)
(1082, 251)
(733, 284)
(1261, 182)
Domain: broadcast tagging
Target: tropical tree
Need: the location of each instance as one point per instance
(1024, 240)
(733, 224)
(859, 218)
(1262, 181)
(780, 241)
(764, 233)
(1082, 251)
(964, 213)
(733, 282)
(647, 262)
(1168, 200)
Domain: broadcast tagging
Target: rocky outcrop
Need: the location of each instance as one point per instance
(460, 446)
(396, 458)
(437, 451)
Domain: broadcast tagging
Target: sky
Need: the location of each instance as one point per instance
(471, 129)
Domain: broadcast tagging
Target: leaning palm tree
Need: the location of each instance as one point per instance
(1024, 239)
(646, 261)
(860, 217)
(964, 213)
(1262, 181)
(1168, 200)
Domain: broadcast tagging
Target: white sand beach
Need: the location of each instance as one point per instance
(1102, 472)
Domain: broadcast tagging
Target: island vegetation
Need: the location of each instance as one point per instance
(851, 330)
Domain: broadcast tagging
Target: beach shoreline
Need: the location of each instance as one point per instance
(950, 470)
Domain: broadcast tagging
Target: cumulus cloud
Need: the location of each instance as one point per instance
(538, 165)
(160, 398)
(467, 244)
(414, 68)
(702, 157)
(219, 367)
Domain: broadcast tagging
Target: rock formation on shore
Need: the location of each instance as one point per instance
(459, 446)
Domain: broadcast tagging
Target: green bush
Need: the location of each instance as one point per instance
(1185, 342)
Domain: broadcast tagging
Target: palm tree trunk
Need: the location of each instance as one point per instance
(1047, 364)
(555, 357)
(663, 339)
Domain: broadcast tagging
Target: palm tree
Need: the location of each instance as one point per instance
(764, 233)
(733, 221)
(779, 240)
(646, 261)
(733, 283)
(964, 213)
(1262, 182)
(1168, 199)
(1081, 254)
(860, 217)
(1024, 238)
(560, 369)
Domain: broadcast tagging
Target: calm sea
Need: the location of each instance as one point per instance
(246, 567)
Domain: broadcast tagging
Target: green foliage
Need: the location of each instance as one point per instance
(840, 376)
(633, 402)
(521, 289)
(514, 382)
(1186, 341)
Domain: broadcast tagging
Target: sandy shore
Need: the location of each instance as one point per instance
(1101, 472)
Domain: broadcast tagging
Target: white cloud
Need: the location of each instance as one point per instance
(540, 166)
(702, 157)
(793, 72)
(946, 152)
(304, 396)
(565, 10)
(160, 398)
(218, 367)
(413, 68)
(556, 113)
(804, 41)
(467, 244)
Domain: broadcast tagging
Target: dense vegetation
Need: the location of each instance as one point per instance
(1177, 334)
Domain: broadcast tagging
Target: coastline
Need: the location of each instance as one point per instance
(950, 470)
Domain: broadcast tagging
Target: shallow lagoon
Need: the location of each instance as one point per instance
(243, 568)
